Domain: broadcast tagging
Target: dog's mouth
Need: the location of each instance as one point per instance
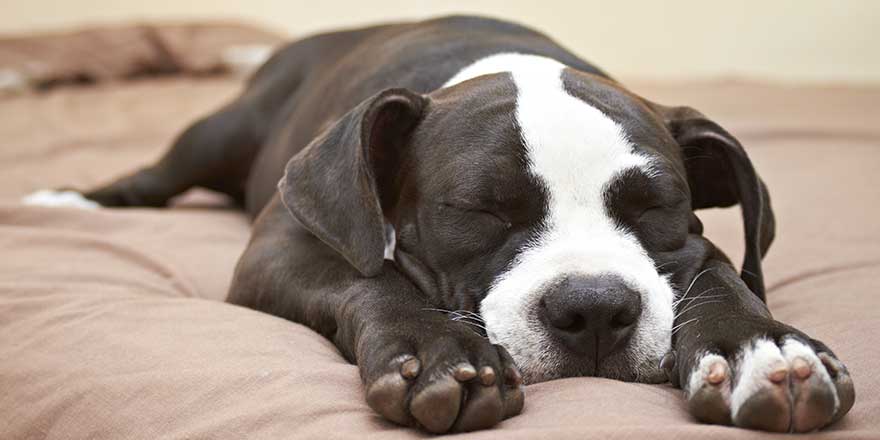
(541, 357)
(647, 371)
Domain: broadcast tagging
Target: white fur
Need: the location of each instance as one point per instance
(753, 368)
(575, 151)
(70, 199)
(502, 62)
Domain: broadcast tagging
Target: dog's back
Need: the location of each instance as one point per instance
(312, 82)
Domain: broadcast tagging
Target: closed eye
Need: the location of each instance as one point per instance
(485, 213)
(661, 207)
(650, 209)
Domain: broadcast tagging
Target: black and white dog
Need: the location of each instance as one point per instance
(467, 206)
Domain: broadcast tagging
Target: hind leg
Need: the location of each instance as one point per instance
(215, 152)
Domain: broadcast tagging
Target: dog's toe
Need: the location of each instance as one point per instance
(709, 390)
(843, 384)
(812, 390)
(388, 394)
(760, 399)
(437, 405)
(483, 409)
(512, 383)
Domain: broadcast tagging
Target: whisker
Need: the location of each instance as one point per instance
(464, 317)
(470, 323)
(695, 306)
(705, 297)
(467, 318)
(431, 309)
(461, 316)
(688, 300)
(700, 295)
(455, 312)
(470, 313)
(665, 264)
(691, 286)
(680, 326)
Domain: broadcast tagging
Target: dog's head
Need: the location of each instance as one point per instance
(555, 203)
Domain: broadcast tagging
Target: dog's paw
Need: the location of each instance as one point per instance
(786, 385)
(455, 381)
(48, 197)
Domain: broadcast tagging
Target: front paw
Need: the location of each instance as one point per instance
(442, 379)
(781, 384)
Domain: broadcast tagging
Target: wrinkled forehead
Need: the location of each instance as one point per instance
(512, 114)
(470, 138)
(643, 128)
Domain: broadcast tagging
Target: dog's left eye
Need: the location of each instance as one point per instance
(482, 213)
(650, 210)
(496, 217)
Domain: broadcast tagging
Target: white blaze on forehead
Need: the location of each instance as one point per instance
(575, 151)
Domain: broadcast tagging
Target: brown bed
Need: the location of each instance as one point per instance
(112, 324)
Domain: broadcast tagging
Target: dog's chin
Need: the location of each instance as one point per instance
(616, 367)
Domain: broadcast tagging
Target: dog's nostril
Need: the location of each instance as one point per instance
(571, 323)
(624, 319)
(592, 316)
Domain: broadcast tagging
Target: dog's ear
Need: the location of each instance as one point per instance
(720, 174)
(334, 186)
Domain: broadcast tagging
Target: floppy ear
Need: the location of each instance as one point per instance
(720, 174)
(334, 186)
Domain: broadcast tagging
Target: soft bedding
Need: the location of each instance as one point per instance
(112, 323)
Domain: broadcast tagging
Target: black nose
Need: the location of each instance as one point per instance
(592, 316)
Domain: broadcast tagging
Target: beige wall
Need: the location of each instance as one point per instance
(806, 40)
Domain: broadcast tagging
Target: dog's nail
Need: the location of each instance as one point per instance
(801, 368)
(512, 377)
(487, 376)
(410, 368)
(778, 375)
(717, 373)
(464, 373)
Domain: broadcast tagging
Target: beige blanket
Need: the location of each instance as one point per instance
(111, 325)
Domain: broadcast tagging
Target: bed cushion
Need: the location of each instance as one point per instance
(112, 325)
(121, 52)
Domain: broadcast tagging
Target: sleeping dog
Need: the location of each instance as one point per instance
(463, 207)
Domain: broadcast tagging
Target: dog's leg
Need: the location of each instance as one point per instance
(739, 366)
(218, 151)
(419, 367)
(215, 152)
